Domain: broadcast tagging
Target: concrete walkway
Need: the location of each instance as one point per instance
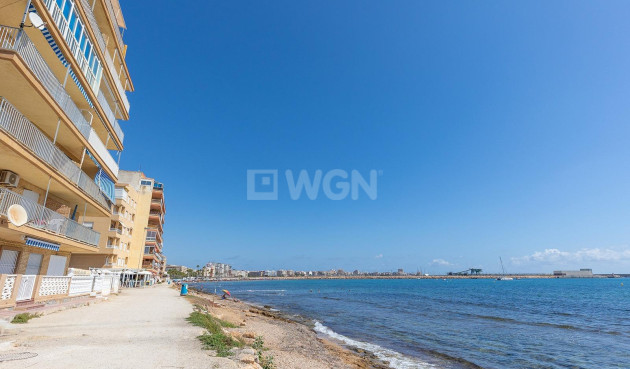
(139, 328)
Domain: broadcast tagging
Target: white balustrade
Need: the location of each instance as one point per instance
(9, 285)
(54, 285)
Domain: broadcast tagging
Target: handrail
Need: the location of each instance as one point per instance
(47, 219)
(101, 43)
(15, 39)
(21, 129)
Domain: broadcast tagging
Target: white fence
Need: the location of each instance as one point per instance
(54, 285)
(59, 286)
(7, 289)
(81, 285)
(25, 290)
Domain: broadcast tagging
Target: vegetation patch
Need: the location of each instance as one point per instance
(265, 361)
(23, 318)
(215, 338)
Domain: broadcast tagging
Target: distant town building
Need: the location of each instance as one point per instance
(217, 270)
(179, 268)
(239, 273)
(582, 273)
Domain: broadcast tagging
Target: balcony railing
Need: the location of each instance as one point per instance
(21, 129)
(73, 44)
(61, 22)
(117, 230)
(12, 38)
(112, 16)
(110, 115)
(44, 218)
(110, 63)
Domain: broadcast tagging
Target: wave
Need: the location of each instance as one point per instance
(395, 359)
(265, 290)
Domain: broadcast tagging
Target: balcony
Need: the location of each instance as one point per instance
(21, 129)
(46, 219)
(68, 35)
(71, 38)
(103, 47)
(17, 40)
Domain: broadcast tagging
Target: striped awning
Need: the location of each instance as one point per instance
(63, 60)
(42, 244)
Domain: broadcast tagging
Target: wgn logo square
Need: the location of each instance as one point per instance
(262, 184)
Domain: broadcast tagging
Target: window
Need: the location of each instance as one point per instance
(73, 20)
(67, 8)
(88, 49)
(145, 183)
(34, 263)
(77, 32)
(56, 265)
(8, 261)
(89, 225)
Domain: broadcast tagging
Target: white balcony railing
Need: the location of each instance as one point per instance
(112, 69)
(73, 44)
(112, 16)
(101, 150)
(17, 40)
(110, 115)
(17, 126)
(101, 43)
(44, 218)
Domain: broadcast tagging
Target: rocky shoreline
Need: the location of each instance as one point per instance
(290, 340)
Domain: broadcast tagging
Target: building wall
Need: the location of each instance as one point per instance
(87, 261)
(143, 201)
(25, 251)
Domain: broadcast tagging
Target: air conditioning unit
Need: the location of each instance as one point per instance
(9, 178)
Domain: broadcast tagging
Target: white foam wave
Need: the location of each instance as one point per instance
(265, 290)
(396, 359)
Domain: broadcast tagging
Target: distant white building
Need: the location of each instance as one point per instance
(217, 270)
(582, 273)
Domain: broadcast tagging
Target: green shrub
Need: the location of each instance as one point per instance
(23, 318)
(215, 338)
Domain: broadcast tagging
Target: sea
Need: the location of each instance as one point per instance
(461, 323)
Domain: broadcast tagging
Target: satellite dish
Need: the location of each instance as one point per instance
(36, 20)
(17, 215)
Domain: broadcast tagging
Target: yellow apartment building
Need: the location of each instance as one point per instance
(115, 249)
(63, 86)
(148, 234)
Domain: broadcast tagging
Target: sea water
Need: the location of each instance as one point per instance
(462, 323)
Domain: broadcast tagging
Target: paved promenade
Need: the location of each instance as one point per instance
(140, 328)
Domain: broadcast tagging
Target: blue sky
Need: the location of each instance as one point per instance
(497, 128)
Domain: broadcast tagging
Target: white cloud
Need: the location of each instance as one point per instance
(441, 262)
(379, 256)
(551, 256)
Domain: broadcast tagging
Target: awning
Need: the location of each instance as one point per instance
(42, 244)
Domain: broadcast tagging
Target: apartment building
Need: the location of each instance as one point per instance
(115, 245)
(148, 234)
(63, 86)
